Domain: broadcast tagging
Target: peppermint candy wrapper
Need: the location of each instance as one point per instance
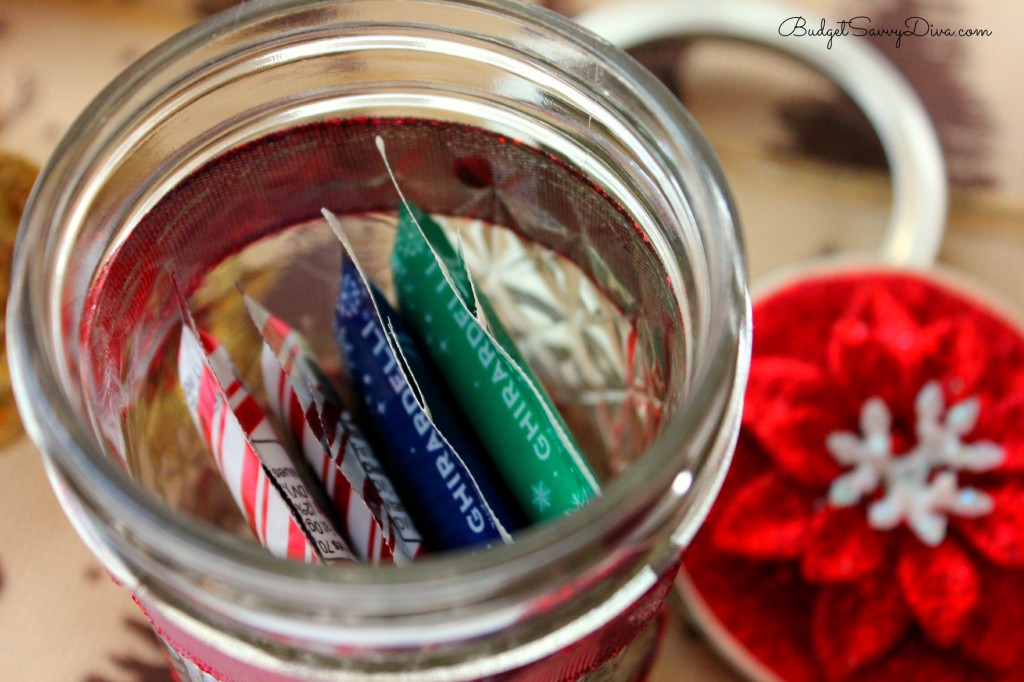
(372, 513)
(456, 507)
(362, 468)
(514, 416)
(268, 488)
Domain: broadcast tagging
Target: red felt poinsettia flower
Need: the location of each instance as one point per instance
(872, 525)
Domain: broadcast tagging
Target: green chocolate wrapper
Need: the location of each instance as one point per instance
(508, 406)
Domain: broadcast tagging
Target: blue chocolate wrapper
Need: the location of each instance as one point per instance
(449, 491)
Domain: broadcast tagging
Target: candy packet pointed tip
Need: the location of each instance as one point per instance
(418, 231)
(476, 309)
(259, 315)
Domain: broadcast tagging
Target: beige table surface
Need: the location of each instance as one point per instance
(62, 619)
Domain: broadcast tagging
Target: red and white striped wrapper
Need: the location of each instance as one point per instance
(378, 527)
(263, 479)
(350, 451)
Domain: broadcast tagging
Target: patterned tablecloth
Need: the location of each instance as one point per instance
(62, 619)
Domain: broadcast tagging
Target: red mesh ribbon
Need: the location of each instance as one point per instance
(570, 663)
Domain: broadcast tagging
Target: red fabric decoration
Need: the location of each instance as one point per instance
(940, 585)
(844, 547)
(796, 436)
(813, 590)
(857, 624)
(995, 633)
(917, 663)
(1006, 428)
(1000, 535)
(767, 520)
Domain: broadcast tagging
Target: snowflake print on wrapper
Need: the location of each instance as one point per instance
(876, 498)
(350, 302)
(410, 248)
(541, 496)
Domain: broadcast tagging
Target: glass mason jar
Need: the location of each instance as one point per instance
(233, 135)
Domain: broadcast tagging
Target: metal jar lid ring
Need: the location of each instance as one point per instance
(911, 145)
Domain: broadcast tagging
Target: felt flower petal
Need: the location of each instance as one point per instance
(999, 535)
(890, 320)
(842, 546)
(1013, 451)
(856, 623)
(954, 349)
(915, 662)
(858, 359)
(940, 585)
(1001, 424)
(995, 631)
(782, 382)
(874, 347)
(795, 439)
(769, 518)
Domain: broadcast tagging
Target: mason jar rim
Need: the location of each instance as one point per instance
(72, 448)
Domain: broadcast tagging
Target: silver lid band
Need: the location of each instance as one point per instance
(911, 145)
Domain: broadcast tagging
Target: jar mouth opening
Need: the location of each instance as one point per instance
(677, 455)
